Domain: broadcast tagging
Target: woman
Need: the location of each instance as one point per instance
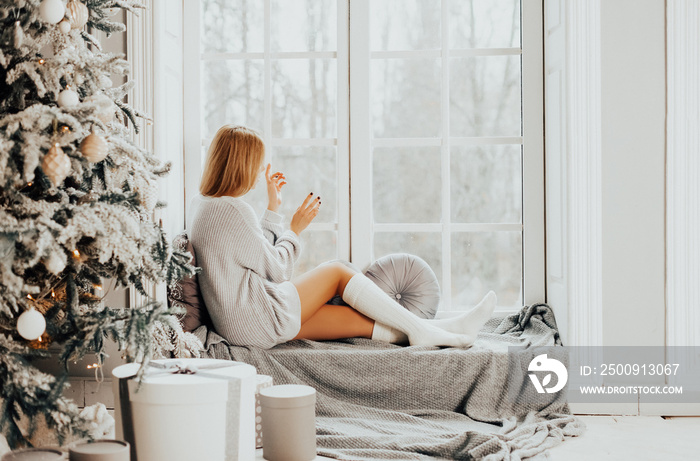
(247, 266)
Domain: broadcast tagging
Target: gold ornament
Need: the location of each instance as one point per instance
(77, 14)
(148, 194)
(56, 165)
(94, 148)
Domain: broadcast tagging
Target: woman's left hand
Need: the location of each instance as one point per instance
(274, 188)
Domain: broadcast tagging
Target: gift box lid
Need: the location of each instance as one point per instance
(173, 389)
(34, 454)
(224, 368)
(288, 396)
(104, 450)
(160, 387)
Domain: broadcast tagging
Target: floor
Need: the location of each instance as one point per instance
(638, 438)
(621, 438)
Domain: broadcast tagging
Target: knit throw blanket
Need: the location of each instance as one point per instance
(381, 401)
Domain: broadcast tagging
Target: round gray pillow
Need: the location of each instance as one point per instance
(409, 280)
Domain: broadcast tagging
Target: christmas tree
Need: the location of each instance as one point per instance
(77, 202)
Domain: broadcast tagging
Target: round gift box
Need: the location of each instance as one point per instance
(35, 454)
(289, 422)
(100, 450)
(177, 417)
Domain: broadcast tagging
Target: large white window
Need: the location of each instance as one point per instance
(419, 122)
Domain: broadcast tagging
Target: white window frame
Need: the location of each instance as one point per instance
(354, 146)
(195, 141)
(532, 140)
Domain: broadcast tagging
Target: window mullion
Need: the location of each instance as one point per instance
(445, 154)
(191, 117)
(343, 127)
(533, 157)
(360, 136)
(267, 115)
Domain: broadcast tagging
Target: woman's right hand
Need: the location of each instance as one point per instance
(305, 214)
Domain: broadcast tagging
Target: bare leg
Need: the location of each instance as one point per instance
(319, 285)
(336, 322)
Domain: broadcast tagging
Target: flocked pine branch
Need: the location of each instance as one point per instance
(65, 229)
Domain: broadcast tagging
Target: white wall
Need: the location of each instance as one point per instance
(605, 119)
(633, 156)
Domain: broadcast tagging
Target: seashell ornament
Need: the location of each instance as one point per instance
(56, 165)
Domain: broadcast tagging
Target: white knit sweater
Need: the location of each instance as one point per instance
(246, 268)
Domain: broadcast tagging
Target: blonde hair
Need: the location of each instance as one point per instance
(233, 162)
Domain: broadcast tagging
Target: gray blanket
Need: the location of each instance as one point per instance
(382, 401)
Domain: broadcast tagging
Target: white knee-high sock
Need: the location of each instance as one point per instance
(471, 321)
(381, 332)
(468, 323)
(366, 297)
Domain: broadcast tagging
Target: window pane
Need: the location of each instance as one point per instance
(407, 184)
(303, 25)
(486, 184)
(232, 93)
(232, 26)
(483, 261)
(426, 245)
(308, 169)
(257, 198)
(316, 247)
(485, 96)
(404, 25)
(304, 98)
(406, 97)
(485, 24)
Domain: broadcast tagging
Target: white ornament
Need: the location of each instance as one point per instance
(104, 107)
(64, 26)
(105, 81)
(18, 35)
(67, 98)
(55, 263)
(77, 13)
(94, 148)
(31, 324)
(52, 11)
(56, 165)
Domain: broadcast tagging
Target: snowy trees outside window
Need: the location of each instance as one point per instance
(438, 84)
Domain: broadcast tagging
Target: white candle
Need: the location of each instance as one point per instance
(100, 450)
